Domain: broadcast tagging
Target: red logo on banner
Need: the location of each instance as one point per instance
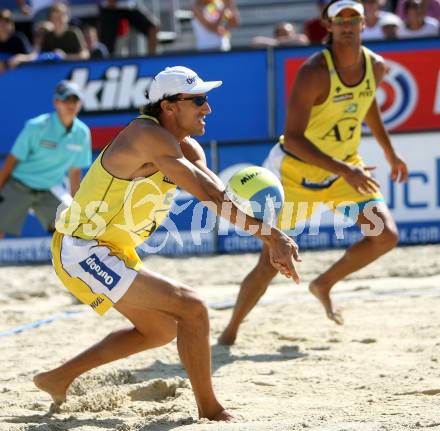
(409, 95)
(102, 136)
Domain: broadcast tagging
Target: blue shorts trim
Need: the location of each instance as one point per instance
(347, 210)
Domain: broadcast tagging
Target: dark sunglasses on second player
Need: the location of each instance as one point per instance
(197, 100)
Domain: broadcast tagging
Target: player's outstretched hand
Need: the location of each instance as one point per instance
(283, 252)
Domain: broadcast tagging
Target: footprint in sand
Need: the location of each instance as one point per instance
(104, 399)
(157, 390)
(100, 379)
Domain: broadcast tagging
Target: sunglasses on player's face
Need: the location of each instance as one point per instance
(197, 100)
(354, 20)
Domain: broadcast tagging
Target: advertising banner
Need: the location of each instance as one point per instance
(409, 96)
(114, 91)
(242, 110)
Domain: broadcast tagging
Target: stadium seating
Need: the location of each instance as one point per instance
(258, 17)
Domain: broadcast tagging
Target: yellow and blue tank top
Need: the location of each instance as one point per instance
(123, 213)
(335, 126)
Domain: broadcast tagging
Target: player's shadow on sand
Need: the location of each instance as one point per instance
(47, 421)
(221, 355)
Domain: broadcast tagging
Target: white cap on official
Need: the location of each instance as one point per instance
(338, 6)
(176, 80)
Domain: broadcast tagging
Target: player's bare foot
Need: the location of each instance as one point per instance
(322, 293)
(224, 416)
(226, 338)
(52, 384)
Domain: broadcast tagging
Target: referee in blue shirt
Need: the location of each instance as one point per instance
(48, 148)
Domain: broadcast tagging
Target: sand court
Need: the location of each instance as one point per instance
(291, 369)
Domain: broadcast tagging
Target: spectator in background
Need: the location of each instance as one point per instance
(417, 24)
(373, 16)
(11, 42)
(212, 21)
(284, 35)
(391, 26)
(96, 48)
(112, 11)
(430, 7)
(39, 33)
(38, 9)
(49, 147)
(67, 41)
(315, 29)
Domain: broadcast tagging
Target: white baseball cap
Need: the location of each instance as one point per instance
(390, 19)
(337, 7)
(176, 80)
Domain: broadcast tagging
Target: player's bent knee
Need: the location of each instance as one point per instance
(194, 307)
(390, 236)
(157, 335)
(387, 240)
(199, 309)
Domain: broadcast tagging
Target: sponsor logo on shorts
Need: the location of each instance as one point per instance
(100, 271)
(96, 302)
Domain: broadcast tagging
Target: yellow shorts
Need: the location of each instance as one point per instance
(303, 197)
(98, 274)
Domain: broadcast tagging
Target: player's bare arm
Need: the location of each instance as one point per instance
(74, 180)
(153, 148)
(169, 159)
(195, 154)
(399, 169)
(193, 151)
(8, 167)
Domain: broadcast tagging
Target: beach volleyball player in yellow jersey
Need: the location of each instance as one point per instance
(318, 158)
(125, 195)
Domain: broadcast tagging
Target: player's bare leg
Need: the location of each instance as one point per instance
(177, 304)
(252, 289)
(152, 329)
(356, 257)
